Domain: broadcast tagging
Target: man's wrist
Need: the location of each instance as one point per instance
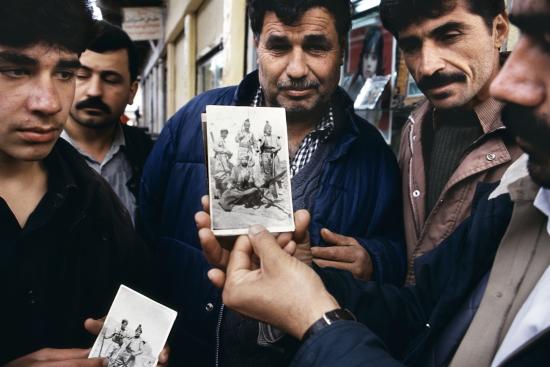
(321, 305)
(328, 319)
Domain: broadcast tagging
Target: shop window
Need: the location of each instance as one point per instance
(368, 71)
(210, 72)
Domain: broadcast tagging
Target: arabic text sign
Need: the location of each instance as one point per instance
(143, 23)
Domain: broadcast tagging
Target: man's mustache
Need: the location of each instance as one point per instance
(301, 84)
(95, 103)
(440, 79)
(524, 123)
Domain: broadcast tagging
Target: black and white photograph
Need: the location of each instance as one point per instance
(248, 164)
(134, 331)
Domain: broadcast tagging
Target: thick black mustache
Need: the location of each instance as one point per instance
(522, 122)
(300, 84)
(440, 79)
(93, 102)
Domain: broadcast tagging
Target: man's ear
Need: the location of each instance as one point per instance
(501, 27)
(133, 90)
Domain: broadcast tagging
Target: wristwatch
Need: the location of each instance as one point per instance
(328, 319)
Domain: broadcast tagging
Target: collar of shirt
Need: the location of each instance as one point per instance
(322, 130)
(516, 171)
(542, 203)
(119, 141)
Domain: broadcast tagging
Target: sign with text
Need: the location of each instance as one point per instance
(143, 23)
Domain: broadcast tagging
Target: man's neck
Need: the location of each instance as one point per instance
(95, 142)
(298, 127)
(22, 186)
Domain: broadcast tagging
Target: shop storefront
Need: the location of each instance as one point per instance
(374, 76)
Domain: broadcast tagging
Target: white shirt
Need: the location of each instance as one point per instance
(534, 316)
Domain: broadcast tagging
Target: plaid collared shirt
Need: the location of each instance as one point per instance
(322, 131)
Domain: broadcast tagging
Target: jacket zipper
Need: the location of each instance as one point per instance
(411, 198)
(218, 330)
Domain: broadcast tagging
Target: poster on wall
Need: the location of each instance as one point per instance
(367, 74)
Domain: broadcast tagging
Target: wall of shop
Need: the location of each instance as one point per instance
(203, 48)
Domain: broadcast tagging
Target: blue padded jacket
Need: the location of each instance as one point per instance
(358, 195)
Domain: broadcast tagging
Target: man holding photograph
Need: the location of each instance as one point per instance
(498, 259)
(63, 232)
(343, 171)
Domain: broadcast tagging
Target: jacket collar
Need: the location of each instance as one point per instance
(488, 114)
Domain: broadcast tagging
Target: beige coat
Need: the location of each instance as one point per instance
(485, 161)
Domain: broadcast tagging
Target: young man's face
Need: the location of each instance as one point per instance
(103, 88)
(524, 83)
(299, 65)
(453, 58)
(36, 91)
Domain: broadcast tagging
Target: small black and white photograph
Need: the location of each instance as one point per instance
(248, 164)
(134, 332)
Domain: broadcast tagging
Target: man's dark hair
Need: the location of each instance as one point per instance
(66, 24)
(290, 11)
(108, 37)
(397, 15)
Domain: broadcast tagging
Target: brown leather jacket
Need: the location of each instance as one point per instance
(485, 161)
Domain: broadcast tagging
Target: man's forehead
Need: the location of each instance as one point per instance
(115, 60)
(426, 25)
(314, 21)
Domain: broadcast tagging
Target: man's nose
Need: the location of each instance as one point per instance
(45, 98)
(518, 81)
(94, 86)
(297, 65)
(430, 60)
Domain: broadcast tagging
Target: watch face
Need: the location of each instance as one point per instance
(340, 314)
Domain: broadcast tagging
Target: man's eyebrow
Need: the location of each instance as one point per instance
(318, 39)
(274, 39)
(69, 64)
(17, 58)
(531, 23)
(447, 27)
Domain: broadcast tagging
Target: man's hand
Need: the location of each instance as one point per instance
(283, 292)
(344, 253)
(216, 250)
(58, 358)
(94, 327)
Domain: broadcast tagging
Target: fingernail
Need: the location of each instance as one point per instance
(256, 229)
(105, 362)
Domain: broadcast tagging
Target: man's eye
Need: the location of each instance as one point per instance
(82, 76)
(65, 75)
(279, 48)
(112, 79)
(449, 36)
(15, 73)
(317, 49)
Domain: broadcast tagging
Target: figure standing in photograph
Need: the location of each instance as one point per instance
(246, 141)
(117, 338)
(269, 160)
(134, 348)
(222, 165)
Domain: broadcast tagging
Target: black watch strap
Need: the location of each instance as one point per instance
(328, 319)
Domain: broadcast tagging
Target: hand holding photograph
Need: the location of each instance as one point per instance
(248, 169)
(134, 331)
